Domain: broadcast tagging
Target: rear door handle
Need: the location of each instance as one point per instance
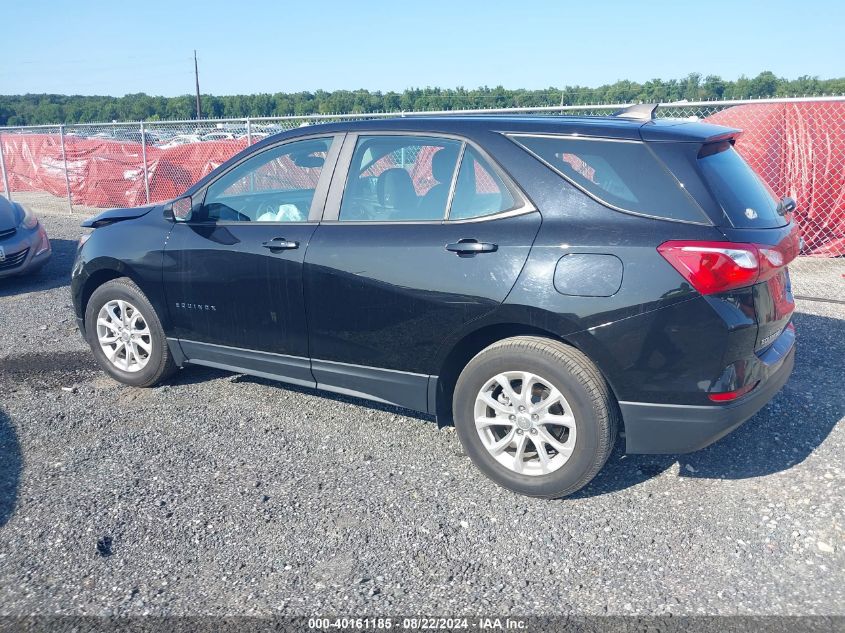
(468, 246)
(280, 244)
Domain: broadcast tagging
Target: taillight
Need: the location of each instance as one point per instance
(712, 267)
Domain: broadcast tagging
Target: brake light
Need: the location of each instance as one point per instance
(712, 267)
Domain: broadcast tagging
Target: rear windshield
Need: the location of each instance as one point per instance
(623, 174)
(745, 198)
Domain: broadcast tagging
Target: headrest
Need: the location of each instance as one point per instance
(396, 189)
(443, 164)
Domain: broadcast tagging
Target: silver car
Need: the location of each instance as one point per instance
(24, 246)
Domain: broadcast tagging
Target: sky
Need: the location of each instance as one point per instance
(117, 48)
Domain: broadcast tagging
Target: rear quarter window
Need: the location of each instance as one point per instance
(624, 175)
(479, 191)
(745, 199)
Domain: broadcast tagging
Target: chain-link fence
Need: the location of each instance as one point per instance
(797, 146)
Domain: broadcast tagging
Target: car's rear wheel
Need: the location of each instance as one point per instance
(535, 415)
(126, 336)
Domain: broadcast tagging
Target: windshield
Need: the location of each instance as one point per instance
(746, 200)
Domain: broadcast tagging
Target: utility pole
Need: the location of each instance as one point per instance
(197, 78)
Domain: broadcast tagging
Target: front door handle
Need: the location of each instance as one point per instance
(468, 246)
(280, 244)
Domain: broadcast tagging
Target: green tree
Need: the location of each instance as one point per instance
(34, 109)
(713, 87)
(764, 85)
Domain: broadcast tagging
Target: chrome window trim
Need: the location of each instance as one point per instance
(454, 184)
(523, 210)
(512, 136)
(521, 202)
(255, 223)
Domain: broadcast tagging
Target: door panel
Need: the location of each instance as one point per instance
(233, 274)
(383, 294)
(224, 287)
(386, 295)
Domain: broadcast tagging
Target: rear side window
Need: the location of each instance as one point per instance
(745, 198)
(479, 190)
(622, 174)
(399, 178)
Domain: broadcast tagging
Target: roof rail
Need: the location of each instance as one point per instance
(638, 111)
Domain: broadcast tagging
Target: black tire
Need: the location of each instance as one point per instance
(580, 382)
(160, 364)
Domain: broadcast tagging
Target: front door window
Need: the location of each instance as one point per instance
(276, 185)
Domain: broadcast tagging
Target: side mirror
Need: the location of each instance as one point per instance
(786, 205)
(182, 209)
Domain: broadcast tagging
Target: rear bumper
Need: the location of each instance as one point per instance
(674, 428)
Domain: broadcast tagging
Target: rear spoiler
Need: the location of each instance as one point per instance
(675, 129)
(716, 144)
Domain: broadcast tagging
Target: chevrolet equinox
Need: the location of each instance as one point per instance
(539, 282)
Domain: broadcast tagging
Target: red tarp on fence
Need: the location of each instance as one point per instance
(797, 148)
(105, 173)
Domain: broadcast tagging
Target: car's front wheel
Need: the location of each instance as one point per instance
(126, 336)
(535, 415)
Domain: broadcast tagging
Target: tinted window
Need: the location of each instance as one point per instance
(479, 190)
(746, 200)
(276, 185)
(622, 174)
(399, 178)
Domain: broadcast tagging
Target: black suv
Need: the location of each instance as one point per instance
(538, 281)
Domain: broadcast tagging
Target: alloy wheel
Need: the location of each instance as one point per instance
(124, 335)
(525, 423)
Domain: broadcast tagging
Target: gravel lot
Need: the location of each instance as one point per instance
(221, 494)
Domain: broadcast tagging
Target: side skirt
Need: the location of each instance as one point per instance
(292, 369)
(402, 389)
(399, 388)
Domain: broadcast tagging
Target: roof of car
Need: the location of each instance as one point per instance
(591, 126)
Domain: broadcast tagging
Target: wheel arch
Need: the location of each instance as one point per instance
(465, 348)
(101, 272)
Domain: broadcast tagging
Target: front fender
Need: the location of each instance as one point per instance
(133, 249)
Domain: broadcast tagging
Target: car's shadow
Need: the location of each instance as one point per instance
(55, 274)
(782, 434)
(11, 465)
